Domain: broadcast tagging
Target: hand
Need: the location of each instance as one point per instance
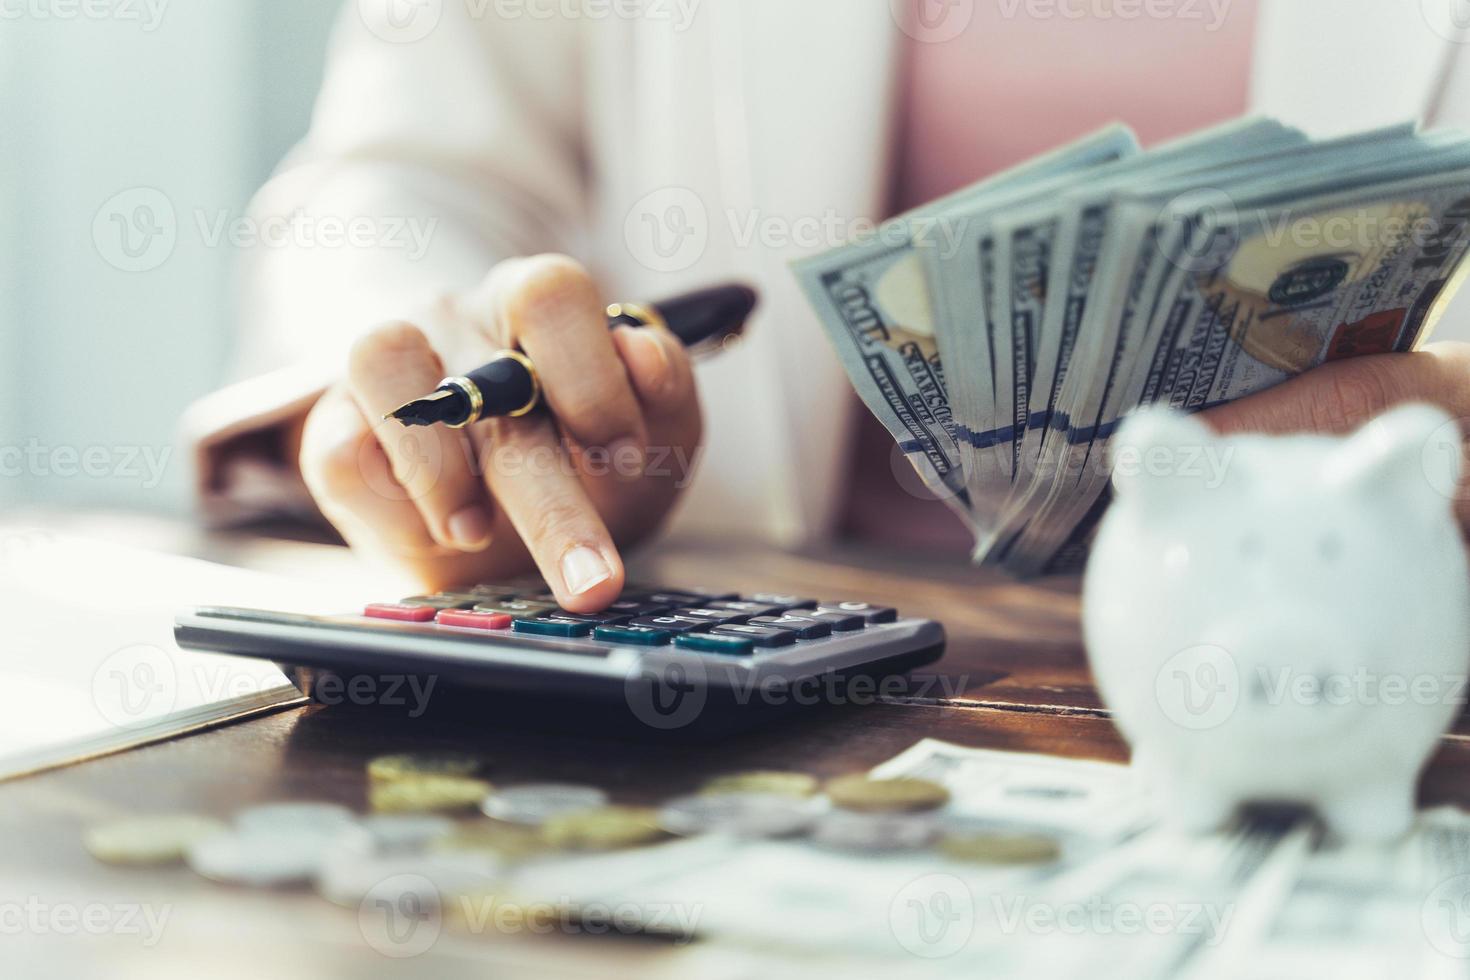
(483, 503)
(1339, 397)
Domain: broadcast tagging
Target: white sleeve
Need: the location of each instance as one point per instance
(428, 160)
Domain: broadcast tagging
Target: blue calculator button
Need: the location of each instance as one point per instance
(761, 636)
(642, 636)
(732, 646)
(545, 626)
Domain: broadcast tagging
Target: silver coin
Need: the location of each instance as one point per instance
(741, 814)
(294, 818)
(535, 803)
(851, 831)
(393, 833)
(421, 881)
(259, 859)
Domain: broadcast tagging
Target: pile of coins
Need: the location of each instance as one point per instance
(415, 835)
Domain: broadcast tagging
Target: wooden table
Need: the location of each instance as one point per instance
(1013, 677)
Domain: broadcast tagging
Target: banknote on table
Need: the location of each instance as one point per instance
(1067, 294)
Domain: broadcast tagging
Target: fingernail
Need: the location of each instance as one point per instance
(582, 568)
(469, 529)
(654, 360)
(627, 457)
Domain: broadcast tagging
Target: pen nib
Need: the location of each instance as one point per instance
(441, 406)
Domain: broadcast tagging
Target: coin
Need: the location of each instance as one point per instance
(763, 781)
(294, 818)
(161, 839)
(850, 831)
(394, 833)
(419, 794)
(503, 840)
(866, 794)
(256, 858)
(740, 814)
(604, 828)
(410, 764)
(534, 803)
(412, 881)
(1000, 848)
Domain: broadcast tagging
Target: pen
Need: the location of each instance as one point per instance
(508, 385)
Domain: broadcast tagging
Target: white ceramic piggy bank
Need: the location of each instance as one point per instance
(1282, 618)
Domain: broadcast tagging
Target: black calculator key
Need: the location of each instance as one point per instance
(493, 592)
(442, 600)
(547, 626)
(635, 607)
(596, 619)
(711, 595)
(517, 607)
(871, 614)
(840, 622)
(643, 636)
(539, 597)
(672, 599)
(748, 608)
(673, 624)
(804, 627)
(733, 646)
(761, 636)
(784, 600)
(711, 616)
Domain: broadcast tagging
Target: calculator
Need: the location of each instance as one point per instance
(664, 658)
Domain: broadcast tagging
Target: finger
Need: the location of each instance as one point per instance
(550, 307)
(535, 485)
(663, 378)
(347, 472)
(1341, 396)
(393, 365)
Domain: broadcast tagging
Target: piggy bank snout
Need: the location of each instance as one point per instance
(1298, 672)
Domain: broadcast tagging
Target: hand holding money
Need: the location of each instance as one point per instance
(1002, 333)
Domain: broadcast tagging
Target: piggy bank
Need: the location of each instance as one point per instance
(1282, 619)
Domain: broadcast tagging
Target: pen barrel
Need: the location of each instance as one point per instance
(506, 385)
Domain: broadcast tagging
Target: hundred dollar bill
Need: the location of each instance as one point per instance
(873, 299)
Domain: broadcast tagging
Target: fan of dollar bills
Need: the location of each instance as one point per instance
(1001, 333)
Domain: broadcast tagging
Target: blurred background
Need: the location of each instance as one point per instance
(114, 112)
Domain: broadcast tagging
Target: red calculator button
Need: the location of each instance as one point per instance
(473, 620)
(400, 612)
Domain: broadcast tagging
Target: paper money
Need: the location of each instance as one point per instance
(1071, 292)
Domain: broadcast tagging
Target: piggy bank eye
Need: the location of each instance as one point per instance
(1251, 546)
(1329, 547)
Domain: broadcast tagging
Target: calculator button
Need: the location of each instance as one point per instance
(441, 600)
(489, 593)
(748, 608)
(871, 614)
(784, 600)
(804, 627)
(546, 626)
(734, 646)
(672, 599)
(633, 607)
(400, 612)
(596, 619)
(840, 622)
(712, 595)
(516, 607)
(673, 624)
(761, 636)
(472, 620)
(539, 597)
(643, 636)
(713, 617)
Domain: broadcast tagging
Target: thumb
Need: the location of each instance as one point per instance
(1341, 396)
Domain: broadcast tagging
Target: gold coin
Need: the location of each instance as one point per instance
(405, 765)
(602, 829)
(999, 848)
(504, 840)
(150, 840)
(763, 781)
(862, 792)
(423, 794)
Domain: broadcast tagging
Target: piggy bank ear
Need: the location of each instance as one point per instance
(1158, 450)
(1414, 448)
